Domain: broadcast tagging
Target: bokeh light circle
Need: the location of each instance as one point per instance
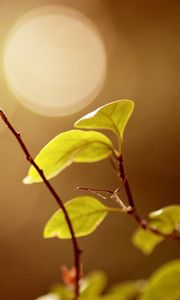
(55, 61)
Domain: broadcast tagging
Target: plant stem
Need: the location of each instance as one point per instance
(29, 158)
(95, 191)
(133, 211)
(117, 210)
(125, 181)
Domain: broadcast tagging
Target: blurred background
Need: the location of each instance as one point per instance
(60, 59)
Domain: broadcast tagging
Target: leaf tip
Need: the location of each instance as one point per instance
(27, 180)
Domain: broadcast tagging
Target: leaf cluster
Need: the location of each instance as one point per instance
(82, 215)
(82, 146)
(164, 284)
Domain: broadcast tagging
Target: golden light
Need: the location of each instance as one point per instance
(55, 61)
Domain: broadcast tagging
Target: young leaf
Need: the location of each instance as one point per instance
(128, 290)
(103, 297)
(146, 240)
(113, 116)
(108, 297)
(164, 283)
(50, 296)
(168, 218)
(93, 285)
(85, 212)
(62, 291)
(68, 147)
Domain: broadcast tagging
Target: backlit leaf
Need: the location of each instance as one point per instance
(93, 284)
(128, 290)
(164, 283)
(62, 291)
(146, 240)
(85, 212)
(113, 116)
(109, 297)
(50, 296)
(68, 147)
(166, 220)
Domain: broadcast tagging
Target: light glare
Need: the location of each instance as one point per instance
(55, 62)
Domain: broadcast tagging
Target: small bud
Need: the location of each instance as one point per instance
(69, 275)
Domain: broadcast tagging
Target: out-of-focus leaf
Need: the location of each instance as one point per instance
(164, 283)
(62, 292)
(168, 218)
(50, 296)
(93, 285)
(109, 297)
(146, 240)
(113, 116)
(128, 290)
(103, 297)
(85, 212)
(68, 147)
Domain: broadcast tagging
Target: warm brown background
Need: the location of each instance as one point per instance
(143, 47)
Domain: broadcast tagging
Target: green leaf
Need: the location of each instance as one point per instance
(93, 285)
(128, 290)
(109, 297)
(85, 212)
(62, 291)
(68, 147)
(146, 240)
(167, 219)
(165, 283)
(103, 297)
(113, 116)
(50, 296)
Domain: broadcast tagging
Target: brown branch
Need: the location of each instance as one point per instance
(94, 191)
(113, 163)
(29, 158)
(134, 213)
(126, 183)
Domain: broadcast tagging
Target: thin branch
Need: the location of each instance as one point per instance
(124, 208)
(114, 166)
(95, 191)
(114, 196)
(133, 211)
(29, 158)
(126, 183)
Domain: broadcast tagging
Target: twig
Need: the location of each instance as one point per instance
(29, 158)
(114, 166)
(124, 208)
(126, 183)
(95, 191)
(114, 196)
(133, 211)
